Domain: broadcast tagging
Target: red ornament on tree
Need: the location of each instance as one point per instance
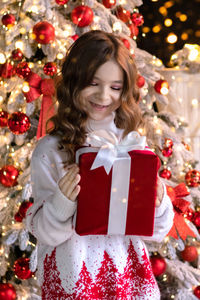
(158, 265)
(44, 32)
(140, 81)
(137, 19)
(8, 176)
(23, 70)
(133, 29)
(8, 20)
(17, 54)
(7, 291)
(50, 68)
(189, 214)
(165, 173)
(167, 152)
(162, 87)
(192, 178)
(196, 291)
(74, 37)
(82, 15)
(126, 43)
(4, 118)
(21, 268)
(123, 14)
(109, 3)
(61, 2)
(196, 219)
(24, 207)
(7, 70)
(19, 123)
(189, 253)
(168, 143)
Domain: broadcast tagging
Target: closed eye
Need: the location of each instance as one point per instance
(116, 88)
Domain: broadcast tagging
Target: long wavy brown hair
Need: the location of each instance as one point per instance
(84, 57)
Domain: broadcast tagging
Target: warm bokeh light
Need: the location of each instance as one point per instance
(183, 18)
(168, 22)
(169, 4)
(163, 10)
(184, 36)
(172, 38)
(156, 28)
(145, 29)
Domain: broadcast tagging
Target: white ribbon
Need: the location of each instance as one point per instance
(114, 153)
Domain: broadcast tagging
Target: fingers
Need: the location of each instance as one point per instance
(69, 182)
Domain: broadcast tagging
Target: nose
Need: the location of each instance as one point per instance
(104, 93)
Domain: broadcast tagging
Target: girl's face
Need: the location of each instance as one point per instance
(102, 96)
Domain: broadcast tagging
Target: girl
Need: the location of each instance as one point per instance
(97, 91)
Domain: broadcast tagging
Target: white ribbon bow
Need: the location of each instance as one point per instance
(111, 148)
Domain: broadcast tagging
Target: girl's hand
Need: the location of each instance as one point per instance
(160, 192)
(68, 184)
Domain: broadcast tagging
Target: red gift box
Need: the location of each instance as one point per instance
(103, 208)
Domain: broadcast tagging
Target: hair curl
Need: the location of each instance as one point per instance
(84, 57)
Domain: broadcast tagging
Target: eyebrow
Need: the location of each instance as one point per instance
(115, 81)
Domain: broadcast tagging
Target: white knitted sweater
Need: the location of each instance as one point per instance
(86, 267)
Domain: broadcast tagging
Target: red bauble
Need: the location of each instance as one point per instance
(4, 118)
(109, 3)
(196, 291)
(50, 68)
(123, 14)
(7, 291)
(61, 2)
(19, 123)
(140, 81)
(189, 214)
(7, 70)
(74, 37)
(21, 268)
(126, 43)
(137, 19)
(133, 29)
(82, 15)
(165, 173)
(8, 176)
(44, 32)
(161, 87)
(24, 207)
(8, 20)
(167, 152)
(18, 218)
(168, 143)
(192, 178)
(158, 265)
(196, 219)
(17, 54)
(23, 70)
(189, 254)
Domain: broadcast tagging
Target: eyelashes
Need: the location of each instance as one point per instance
(115, 88)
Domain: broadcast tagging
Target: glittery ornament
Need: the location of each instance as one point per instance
(167, 152)
(165, 173)
(123, 14)
(109, 3)
(23, 70)
(19, 123)
(4, 118)
(8, 20)
(7, 70)
(137, 19)
(50, 68)
(140, 81)
(74, 37)
(126, 43)
(17, 54)
(189, 214)
(196, 219)
(168, 143)
(158, 265)
(192, 178)
(196, 291)
(162, 87)
(189, 254)
(61, 2)
(44, 32)
(7, 291)
(21, 268)
(82, 15)
(8, 175)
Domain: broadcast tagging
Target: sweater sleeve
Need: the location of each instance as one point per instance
(163, 221)
(50, 217)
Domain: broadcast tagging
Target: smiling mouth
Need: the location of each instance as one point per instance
(98, 106)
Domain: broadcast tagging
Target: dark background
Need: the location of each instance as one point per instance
(187, 31)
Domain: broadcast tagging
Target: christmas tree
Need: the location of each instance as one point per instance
(35, 36)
